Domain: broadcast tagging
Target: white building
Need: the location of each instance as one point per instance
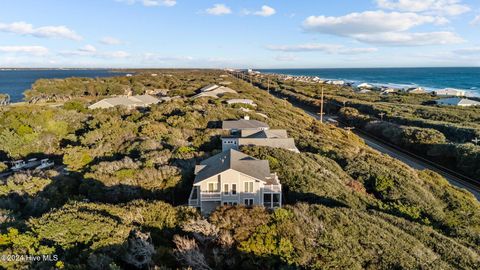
(463, 102)
(234, 178)
(241, 101)
(127, 101)
(451, 92)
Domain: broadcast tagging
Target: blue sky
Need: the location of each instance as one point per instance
(239, 33)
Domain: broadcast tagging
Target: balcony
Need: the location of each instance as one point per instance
(272, 189)
(211, 196)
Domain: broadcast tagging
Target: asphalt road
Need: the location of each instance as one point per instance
(413, 162)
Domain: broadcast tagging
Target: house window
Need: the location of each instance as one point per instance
(248, 187)
(230, 203)
(248, 202)
(234, 189)
(212, 187)
(276, 200)
(267, 200)
(226, 191)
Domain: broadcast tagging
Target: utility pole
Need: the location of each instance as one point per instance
(321, 108)
(268, 84)
(381, 116)
(476, 141)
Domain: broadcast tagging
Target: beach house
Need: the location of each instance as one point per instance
(234, 178)
(234, 126)
(214, 91)
(463, 102)
(451, 92)
(241, 101)
(126, 101)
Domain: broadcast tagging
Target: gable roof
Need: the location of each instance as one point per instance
(209, 87)
(142, 100)
(244, 124)
(265, 134)
(235, 160)
(216, 92)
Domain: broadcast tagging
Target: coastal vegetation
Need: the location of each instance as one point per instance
(442, 134)
(115, 200)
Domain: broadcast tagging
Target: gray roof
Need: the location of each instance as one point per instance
(244, 124)
(270, 134)
(129, 101)
(235, 160)
(458, 102)
(287, 143)
(209, 87)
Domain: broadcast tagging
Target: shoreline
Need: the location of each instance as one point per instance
(472, 92)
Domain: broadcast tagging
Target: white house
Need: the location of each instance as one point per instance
(241, 101)
(234, 178)
(451, 92)
(463, 102)
(127, 101)
(365, 86)
(214, 91)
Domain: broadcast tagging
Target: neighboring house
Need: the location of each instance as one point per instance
(451, 92)
(457, 102)
(387, 91)
(244, 124)
(214, 91)
(364, 91)
(365, 86)
(209, 88)
(276, 138)
(416, 90)
(234, 178)
(241, 101)
(127, 101)
(4, 99)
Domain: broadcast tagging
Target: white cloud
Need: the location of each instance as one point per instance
(439, 7)
(266, 11)
(218, 9)
(24, 28)
(33, 50)
(367, 22)
(386, 28)
(91, 51)
(411, 39)
(286, 58)
(317, 47)
(476, 20)
(151, 3)
(110, 41)
(88, 49)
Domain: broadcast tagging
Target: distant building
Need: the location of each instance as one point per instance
(214, 91)
(365, 86)
(244, 124)
(4, 99)
(416, 90)
(457, 102)
(241, 101)
(234, 178)
(451, 92)
(127, 101)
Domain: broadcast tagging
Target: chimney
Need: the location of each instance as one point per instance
(246, 117)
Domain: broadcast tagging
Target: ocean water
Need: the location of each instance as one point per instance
(429, 78)
(15, 82)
